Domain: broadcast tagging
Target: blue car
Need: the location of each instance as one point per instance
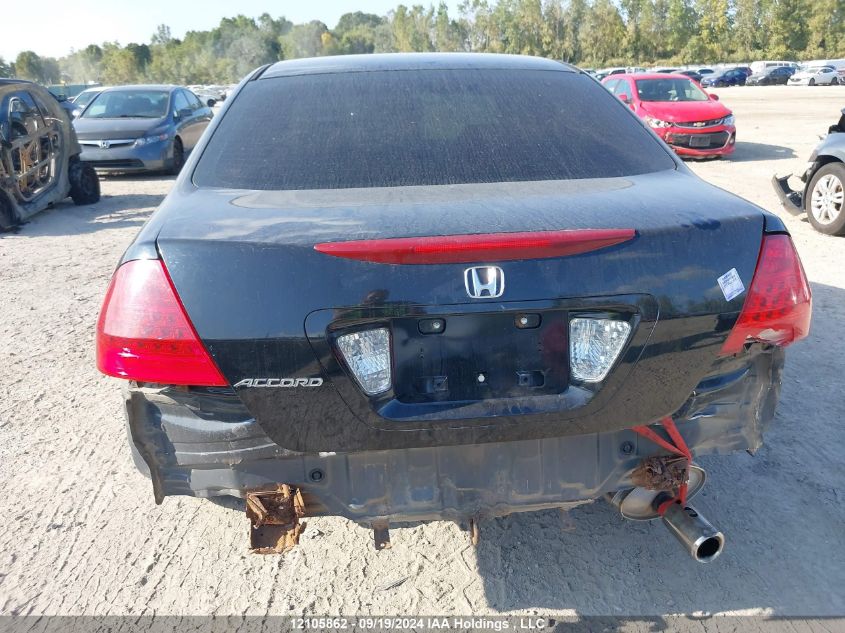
(141, 128)
(730, 77)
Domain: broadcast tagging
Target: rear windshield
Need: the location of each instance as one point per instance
(424, 127)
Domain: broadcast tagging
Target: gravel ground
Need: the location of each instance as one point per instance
(80, 534)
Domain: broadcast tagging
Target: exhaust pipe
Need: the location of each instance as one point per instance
(698, 536)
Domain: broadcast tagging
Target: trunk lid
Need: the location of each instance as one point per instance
(267, 305)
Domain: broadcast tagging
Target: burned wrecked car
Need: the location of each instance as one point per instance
(822, 197)
(39, 154)
(445, 286)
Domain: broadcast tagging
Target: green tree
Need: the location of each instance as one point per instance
(412, 28)
(681, 25)
(634, 40)
(749, 35)
(28, 66)
(788, 30)
(356, 33)
(5, 69)
(304, 40)
(603, 33)
(449, 34)
(826, 29)
(574, 17)
(119, 65)
(714, 28)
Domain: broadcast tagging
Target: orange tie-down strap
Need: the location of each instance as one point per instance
(678, 448)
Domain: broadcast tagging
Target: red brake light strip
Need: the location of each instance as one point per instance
(462, 249)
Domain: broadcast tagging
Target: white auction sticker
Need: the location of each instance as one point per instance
(731, 284)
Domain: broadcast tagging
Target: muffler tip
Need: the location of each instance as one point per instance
(709, 548)
(702, 541)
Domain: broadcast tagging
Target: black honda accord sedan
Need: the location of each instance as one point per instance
(443, 286)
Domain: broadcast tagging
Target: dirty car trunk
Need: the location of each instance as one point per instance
(287, 303)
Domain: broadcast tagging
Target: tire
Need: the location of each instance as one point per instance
(834, 82)
(84, 183)
(812, 82)
(825, 202)
(8, 219)
(178, 157)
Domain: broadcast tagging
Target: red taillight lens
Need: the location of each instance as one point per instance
(779, 304)
(464, 249)
(144, 334)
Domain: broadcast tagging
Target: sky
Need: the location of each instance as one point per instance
(77, 23)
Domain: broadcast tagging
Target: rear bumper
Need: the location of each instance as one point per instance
(792, 201)
(204, 444)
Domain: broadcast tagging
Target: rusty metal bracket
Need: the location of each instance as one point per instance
(474, 533)
(381, 535)
(274, 519)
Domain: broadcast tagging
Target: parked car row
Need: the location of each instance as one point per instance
(761, 73)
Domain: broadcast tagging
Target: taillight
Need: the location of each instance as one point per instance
(779, 304)
(144, 334)
(464, 249)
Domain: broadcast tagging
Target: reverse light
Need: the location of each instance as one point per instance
(779, 304)
(594, 345)
(367, 354)
(464, 249)
(144, 333)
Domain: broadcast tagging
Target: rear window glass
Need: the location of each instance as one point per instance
(424, 127)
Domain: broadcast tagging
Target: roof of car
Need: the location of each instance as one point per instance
(5, 82)
(410, 61)
(142, 87)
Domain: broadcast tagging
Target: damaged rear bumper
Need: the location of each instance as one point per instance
(792, 201)
(204, 443)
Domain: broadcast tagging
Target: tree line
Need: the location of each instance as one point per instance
(584, 32)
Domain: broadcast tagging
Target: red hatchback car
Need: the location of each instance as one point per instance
(689, 119)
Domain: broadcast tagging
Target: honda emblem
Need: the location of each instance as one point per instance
(483, 282)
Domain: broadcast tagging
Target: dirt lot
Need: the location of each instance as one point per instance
(80, 534)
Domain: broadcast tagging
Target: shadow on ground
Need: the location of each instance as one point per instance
(781, 512)
(111, 212)
(746, 151)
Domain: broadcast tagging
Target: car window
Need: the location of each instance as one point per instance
(24, 116)
(180, 101)
(128, 104)
(426, 127)
(624, 88)
(193, 102)
(84, 98)
(611, 85)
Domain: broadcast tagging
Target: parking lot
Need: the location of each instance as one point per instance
(81, 534)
